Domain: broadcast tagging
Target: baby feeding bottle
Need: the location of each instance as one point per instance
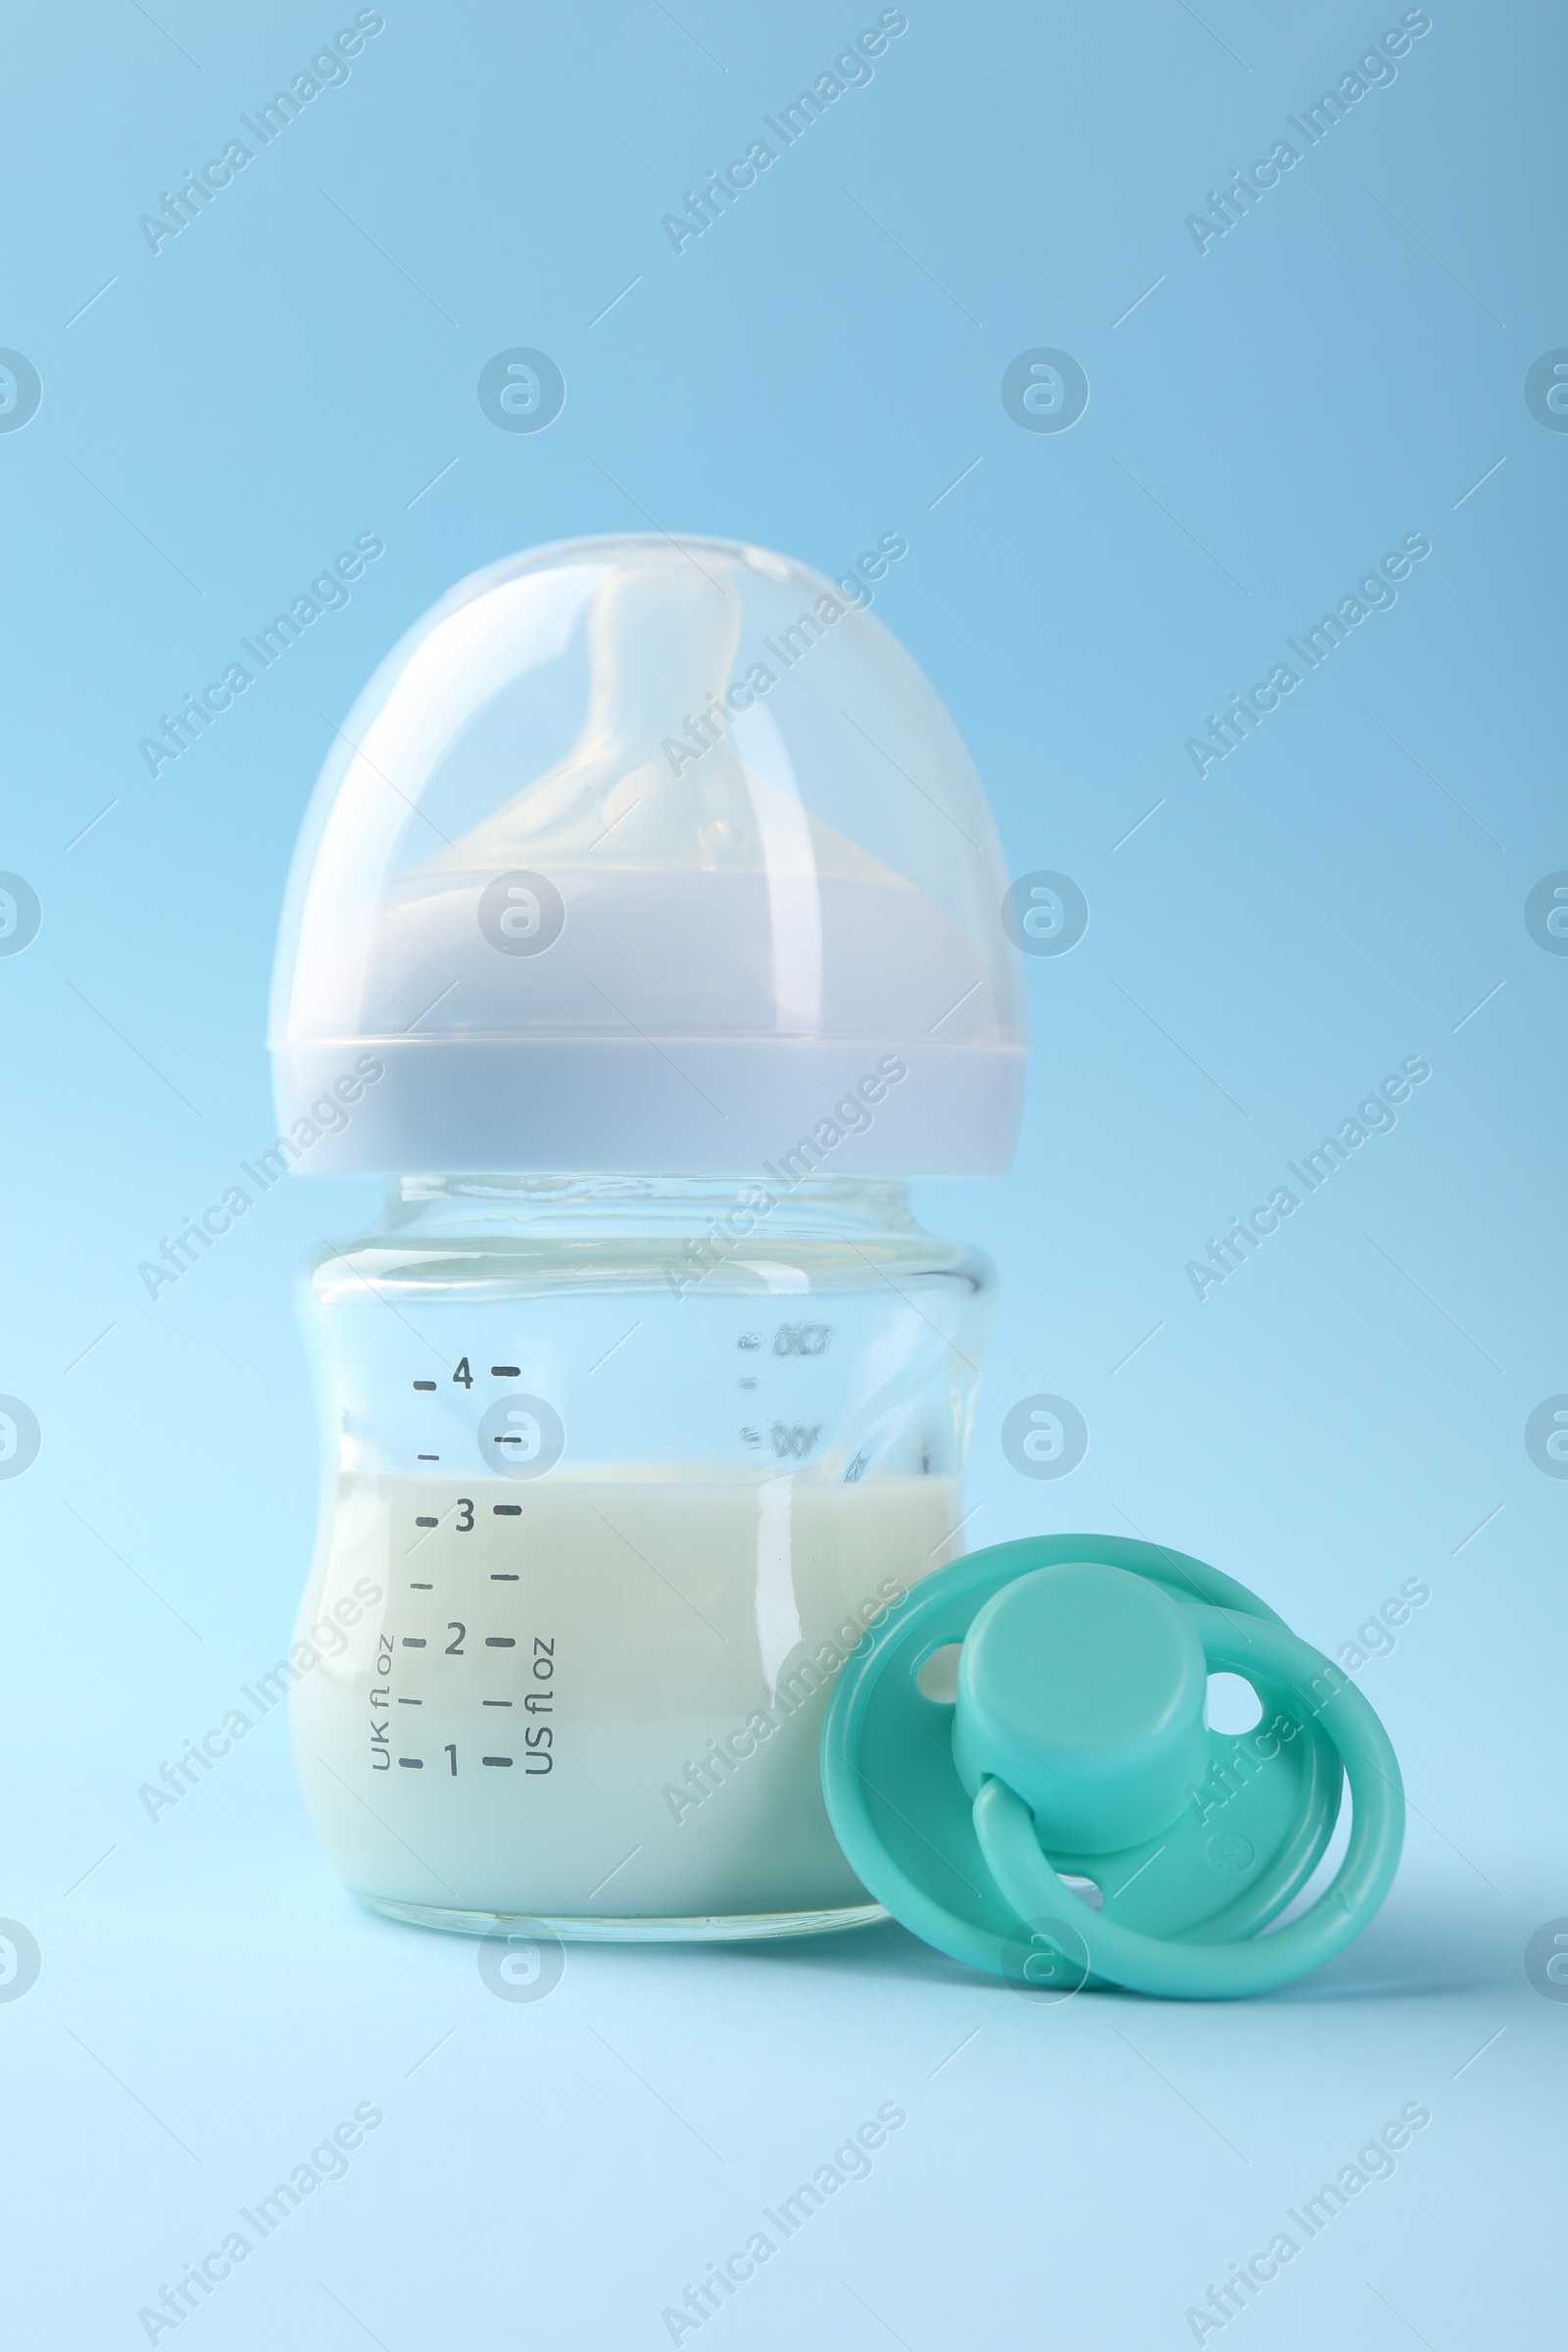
(645, 935)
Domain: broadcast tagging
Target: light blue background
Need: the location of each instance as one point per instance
(1338, 1418)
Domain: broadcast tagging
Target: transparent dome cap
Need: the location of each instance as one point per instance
(648, 855)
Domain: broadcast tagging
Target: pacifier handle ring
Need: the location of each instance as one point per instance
(1194, 1970)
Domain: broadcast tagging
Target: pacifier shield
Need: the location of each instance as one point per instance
(1081, 1682)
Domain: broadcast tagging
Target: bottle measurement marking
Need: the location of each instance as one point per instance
(537, 1696)
(424, 1521)
(425, 1384)
(421, 1587)
(427, 1457)
(506, 1371)
(507, 1510)
(417, 1763)
(503, 1576)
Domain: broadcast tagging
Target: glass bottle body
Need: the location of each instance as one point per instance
(616, 1470)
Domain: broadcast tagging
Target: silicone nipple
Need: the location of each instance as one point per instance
(661, 644)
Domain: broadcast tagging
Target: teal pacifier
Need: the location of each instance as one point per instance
(1075, 1747)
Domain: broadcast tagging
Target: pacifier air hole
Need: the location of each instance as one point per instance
(937, 1677)
(1234, 1706)
(1087, 1890)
